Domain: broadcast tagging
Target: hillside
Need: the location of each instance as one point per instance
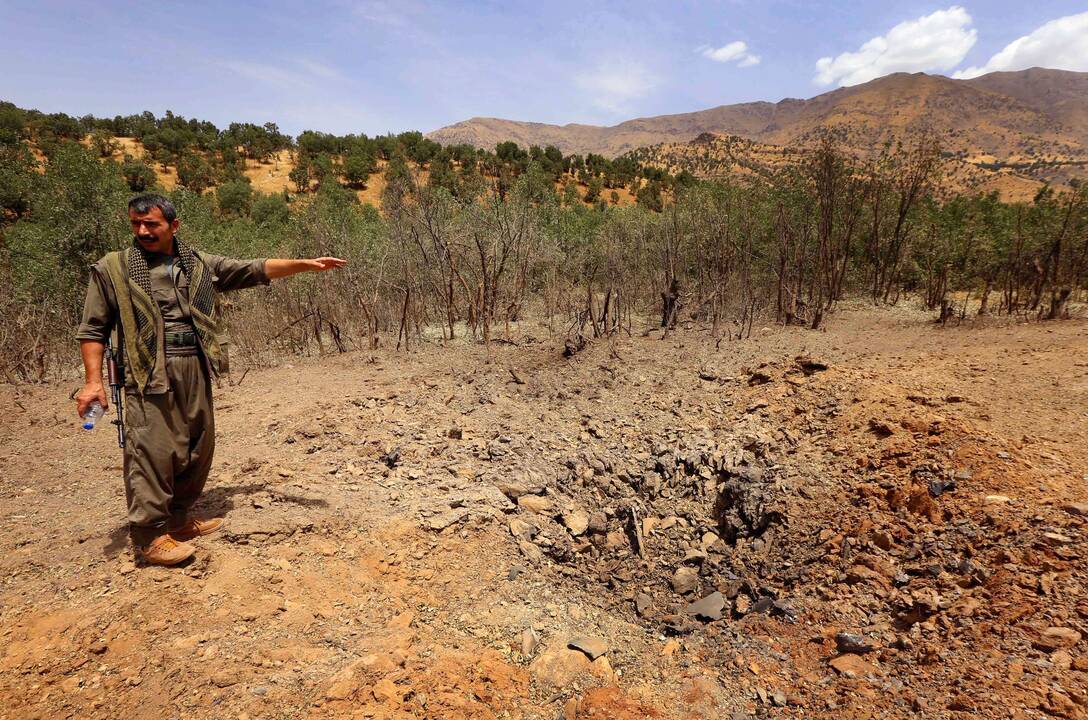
(273, 176)
(1023, 118)
(713, 156)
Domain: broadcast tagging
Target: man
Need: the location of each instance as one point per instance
(160, 295)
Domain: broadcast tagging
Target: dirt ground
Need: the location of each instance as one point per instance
(882, 519)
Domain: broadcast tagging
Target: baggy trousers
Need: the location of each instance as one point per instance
(169, 443)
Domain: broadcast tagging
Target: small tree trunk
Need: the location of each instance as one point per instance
(984, 304)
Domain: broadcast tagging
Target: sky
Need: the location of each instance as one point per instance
(377, 66)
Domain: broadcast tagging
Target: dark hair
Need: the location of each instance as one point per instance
(142, 204)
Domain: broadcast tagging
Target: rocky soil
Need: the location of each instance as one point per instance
(883, 519)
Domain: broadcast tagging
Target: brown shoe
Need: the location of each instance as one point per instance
(165, 550)
(195, 527)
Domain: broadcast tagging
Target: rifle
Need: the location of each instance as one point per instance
(115, 371)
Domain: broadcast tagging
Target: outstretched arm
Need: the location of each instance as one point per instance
(281, 267)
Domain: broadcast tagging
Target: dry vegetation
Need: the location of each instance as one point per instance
(891, 525)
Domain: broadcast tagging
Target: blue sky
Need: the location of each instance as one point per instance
(377, 66)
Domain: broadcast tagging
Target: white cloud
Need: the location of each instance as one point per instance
(263, 73)
(736, 51)
(1060, 44)
(302, 74)
(382, 12)
(614, 85)
(938, 41)
(318, 69)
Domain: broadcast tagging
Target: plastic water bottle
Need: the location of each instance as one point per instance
(94, 412)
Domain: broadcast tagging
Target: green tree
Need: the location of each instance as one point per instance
(398, 181)
(301, 174)
(270, 209)
(650, 196)
(442, 174)
(470, 183)
(684, 180)
(103, 143)
(235, 197)
(357, 168)
(13, 124)
(195, 173)
(138, 174)
(510, 152)
(322, 170)
(593, 189)
(76, 215)
(17, 179)
(570, 194)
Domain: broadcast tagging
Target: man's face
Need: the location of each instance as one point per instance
(153, 231)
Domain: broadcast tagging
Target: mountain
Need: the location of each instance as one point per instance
(1016, 117)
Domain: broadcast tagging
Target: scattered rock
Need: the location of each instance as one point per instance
(444, 520)
(850, 665)
(521, 529)
(881, 428)
(785, 609)
(535, 503)
(763, 605)
(684, 580)
(226, 678)
(709, 608)
(694, 556)
(809, 365)
(1056, 638)
(882, 540)
(1053, 538)
(747, 504)
(577, 521)
(558, 667)
(643, 603)
(939, 486)
(514, 489)
(852, 643)
(592, 646)
(529, 642)
(391, 458)
(759, 378)
(531, 552)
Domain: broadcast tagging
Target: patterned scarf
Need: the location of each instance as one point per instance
(201, 291)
